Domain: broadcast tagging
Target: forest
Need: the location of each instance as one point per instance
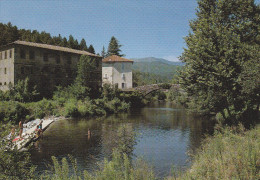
(10, 33)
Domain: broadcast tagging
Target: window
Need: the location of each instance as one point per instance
(5, 70)
(22, 70)
(123, 66)
(123, 85)
(6, 54)
(31, 55)
(105, 76)
(45, 57)
(123, 76)
(10, 53)
(0, 55)
(22, 53)
(58, 59)
(5, 83)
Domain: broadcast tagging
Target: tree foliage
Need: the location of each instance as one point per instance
(223, 42)
(91, 49)
(10, 33)
(114, 47)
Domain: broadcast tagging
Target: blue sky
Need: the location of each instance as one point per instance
(145, 28)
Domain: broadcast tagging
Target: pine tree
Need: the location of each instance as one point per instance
(103, 52)
(71, 42)
(91, 49)
(221, 42)
(114, 47)
(64, 42)
(83, 45)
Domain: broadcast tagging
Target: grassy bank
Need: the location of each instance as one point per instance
(232, 153)
(14, 111)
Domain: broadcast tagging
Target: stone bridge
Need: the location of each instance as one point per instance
(147, 89)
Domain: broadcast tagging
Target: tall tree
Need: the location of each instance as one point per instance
(222, 39)
(83, 45)
(71, 42)
(86, 66)
(114, 47)
(91, 49)
(103, 52)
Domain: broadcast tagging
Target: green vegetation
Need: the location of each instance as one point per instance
(13, 164)
(10, 33)
(114, 47)
(232, 153)
(120, 167)
(221, 50)
(153, 72)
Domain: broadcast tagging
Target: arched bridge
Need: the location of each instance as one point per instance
(147, 89)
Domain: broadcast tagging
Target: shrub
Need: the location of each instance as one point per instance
(12, 111)
(71, 109)
(42, 108)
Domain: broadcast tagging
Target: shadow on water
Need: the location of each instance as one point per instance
(165, 133)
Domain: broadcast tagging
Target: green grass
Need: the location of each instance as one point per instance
(232, 153)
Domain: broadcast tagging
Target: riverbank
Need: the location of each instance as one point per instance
(232, 153)
(14, 111)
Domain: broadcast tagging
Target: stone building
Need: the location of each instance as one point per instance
(117, 71)
(47, 66)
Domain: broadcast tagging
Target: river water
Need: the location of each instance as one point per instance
(165, 136)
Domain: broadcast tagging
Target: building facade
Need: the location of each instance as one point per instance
(46, 66)
(117, 71)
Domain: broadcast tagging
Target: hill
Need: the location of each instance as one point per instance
(155, 70)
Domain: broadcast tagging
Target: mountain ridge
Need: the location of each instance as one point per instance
(153, 59)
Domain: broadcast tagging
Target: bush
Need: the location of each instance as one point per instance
(12, 111)
(70, 108)
(42, 108)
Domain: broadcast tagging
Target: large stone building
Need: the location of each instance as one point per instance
(47, 66)
(117, 71)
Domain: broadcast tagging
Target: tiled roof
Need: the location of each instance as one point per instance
(52, 47)
(115, 58)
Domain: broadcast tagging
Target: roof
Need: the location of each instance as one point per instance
(115, 58)
(52, 47)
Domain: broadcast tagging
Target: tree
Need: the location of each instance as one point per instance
(91, 49)
(103, 52)
(86, 66)
(114, 47)
(222, 40)
(71, 42)
(83, 45)
(64, 42)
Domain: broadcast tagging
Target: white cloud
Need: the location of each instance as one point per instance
(172, 58)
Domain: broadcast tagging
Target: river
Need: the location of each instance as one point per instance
(165, 136)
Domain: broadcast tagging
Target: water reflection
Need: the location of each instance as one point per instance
(164, 135)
